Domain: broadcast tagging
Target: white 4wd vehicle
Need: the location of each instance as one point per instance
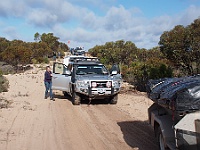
(78, 51)
(84, 79)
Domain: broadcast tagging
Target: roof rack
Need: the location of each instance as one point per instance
(90, 59)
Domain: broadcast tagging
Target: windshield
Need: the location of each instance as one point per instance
(91, 69)
(79, 48)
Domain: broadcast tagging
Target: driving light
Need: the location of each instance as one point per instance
(108, 84)
(94, 84)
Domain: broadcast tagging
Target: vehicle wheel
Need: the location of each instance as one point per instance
(65, 94)
(114, 99)
(160, 139)
(76, 99)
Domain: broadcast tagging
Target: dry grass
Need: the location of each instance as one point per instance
(127, 88)
(4, 103)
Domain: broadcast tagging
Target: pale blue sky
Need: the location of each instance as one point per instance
(93, 22)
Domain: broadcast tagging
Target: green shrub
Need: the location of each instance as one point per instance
(45, 60)
(40, 60)
(139, 73)
(161, 71)
(34, 61)
(4, 84)
(1, 72)
(6, 68)
(62, 53)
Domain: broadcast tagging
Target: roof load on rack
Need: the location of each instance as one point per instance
(181, 94)
(87, 59)
(73, 58)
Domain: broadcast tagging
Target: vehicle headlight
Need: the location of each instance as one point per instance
(82, 83)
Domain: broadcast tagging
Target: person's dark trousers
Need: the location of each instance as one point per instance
(48, 86)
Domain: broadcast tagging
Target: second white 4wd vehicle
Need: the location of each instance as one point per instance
(84, 79)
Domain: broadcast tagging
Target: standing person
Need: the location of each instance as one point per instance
(54, 56)
(59, 55)
(48, 83)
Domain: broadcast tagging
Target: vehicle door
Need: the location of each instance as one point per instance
(61, 77)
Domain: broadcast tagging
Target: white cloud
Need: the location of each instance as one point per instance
(90, 21)
(118, 18)
(119, 23)
(42, 18)
(62, 9)
(189, 15)
(13, 8)
(11, 33)
(76, 22)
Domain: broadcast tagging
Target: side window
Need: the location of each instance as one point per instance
(59, 68)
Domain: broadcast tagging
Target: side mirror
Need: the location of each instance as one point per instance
(114, 73)
(67, 72)
(114, 68)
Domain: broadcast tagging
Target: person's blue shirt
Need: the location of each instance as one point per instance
(47, 76)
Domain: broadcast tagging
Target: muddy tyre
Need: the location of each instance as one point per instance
(76, 99)
(65, 94)
(161, 141)
(114, 99)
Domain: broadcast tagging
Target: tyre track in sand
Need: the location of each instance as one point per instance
(34, 123)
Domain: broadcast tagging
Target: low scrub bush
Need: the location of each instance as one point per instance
(4, 84)
(6, 68)
(4, 103)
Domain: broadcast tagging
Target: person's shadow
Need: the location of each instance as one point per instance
(61, 96)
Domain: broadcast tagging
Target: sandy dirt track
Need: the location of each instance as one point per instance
(33, 123)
